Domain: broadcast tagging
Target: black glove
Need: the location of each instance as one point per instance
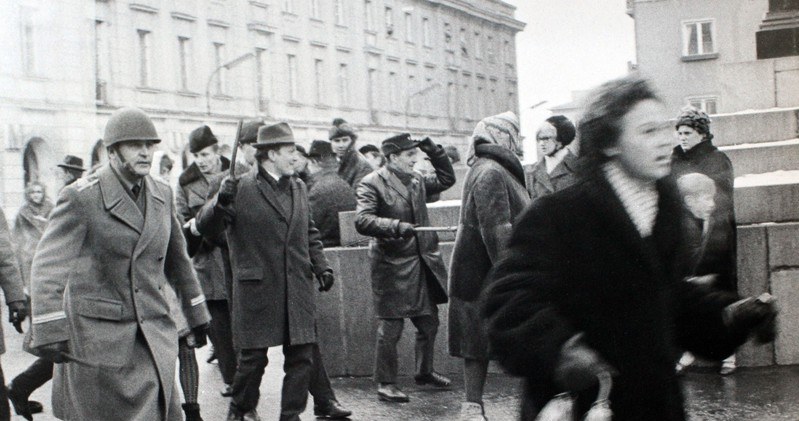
(405, 230)
(55, 352)
(17, 312)
(227, 192)
(579, 366)
(200, 335)
(427, 146)
(753, 316)
(326, 281)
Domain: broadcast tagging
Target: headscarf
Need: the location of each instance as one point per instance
(696, 119)
(488, 130)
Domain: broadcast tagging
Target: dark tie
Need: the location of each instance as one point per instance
(283, 184)
(135, 190)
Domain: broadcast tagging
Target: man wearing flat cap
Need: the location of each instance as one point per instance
(206, 253)
(273, 272)
(352, 166)
(111, 247)
(408, 274)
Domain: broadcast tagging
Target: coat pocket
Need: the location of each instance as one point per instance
(101, 308)
(249, 274)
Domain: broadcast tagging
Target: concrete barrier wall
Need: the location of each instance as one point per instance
(755, 127)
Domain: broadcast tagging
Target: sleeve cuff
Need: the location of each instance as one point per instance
(197, 314)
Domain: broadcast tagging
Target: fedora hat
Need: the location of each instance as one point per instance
(276, 134)
(72, 162)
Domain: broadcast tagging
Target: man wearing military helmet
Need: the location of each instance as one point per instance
(112, 244)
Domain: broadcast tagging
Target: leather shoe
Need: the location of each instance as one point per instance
(22, 406)
(390, 393)
(331, 411)
(433, 379)
(227, 391)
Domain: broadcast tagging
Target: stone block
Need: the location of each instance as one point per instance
(454, 192)
(761, 126)
(330, 326)
(783, 243)
(763, 158)
(767, 203)
(753, 279)
(785, 287)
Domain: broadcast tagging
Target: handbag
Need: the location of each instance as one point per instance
(561, 406)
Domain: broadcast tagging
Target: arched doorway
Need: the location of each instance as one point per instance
(99, 154)
(38, 163)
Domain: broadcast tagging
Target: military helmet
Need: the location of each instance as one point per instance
(129, 124)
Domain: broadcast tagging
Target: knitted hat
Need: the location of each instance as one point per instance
(201, 138)
(398, 143)
(341, 128)
(564, 127)
(695, 119)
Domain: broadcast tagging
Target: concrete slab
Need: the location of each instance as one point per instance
(767, 203)
(762, 158)
(454, 192)
(753, 279)
(783, 245)
(785, 287)
(750, 127)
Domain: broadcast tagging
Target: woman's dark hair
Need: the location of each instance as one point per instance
(600, 125)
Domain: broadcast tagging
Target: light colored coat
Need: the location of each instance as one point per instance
(98, 282)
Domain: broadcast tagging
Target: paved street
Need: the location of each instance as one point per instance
(768, 394)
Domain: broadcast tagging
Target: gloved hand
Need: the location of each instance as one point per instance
(227, 191)
(427, 146)
(55, 352)
(579, 365)
(17, 312)
(405, 230)
(326, 280)
(200, 335)
(753, 316)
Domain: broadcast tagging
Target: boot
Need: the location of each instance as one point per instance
(192, 411)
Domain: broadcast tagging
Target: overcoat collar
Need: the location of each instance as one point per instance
(271, 197)
(565, 167)
(193, 173)
(394, 182)
(117, 202)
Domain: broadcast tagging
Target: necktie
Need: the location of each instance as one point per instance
(135, 190)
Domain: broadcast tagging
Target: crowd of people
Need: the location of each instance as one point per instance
(612, 260)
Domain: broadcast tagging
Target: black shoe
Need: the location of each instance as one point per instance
(433, 379)
(192, 411)
(331, 411)
(391, 393)
(227, 391)
(22, 406)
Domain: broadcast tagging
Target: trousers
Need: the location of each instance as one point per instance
(221, 336)
(389, 332)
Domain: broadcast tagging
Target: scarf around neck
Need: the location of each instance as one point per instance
(503, 156)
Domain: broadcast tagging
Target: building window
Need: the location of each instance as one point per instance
(447, 34)
(338, 9)
(288, 6)
(219, 60)
(315, 9)
(492, 57)
(368, 15)
(408, 27)
(28, 45)
(393, 93)
(184, 53)
(464, 45)
(100, 55)
(145, 48)
(478, 48)
(426, 32)
(292, 75)
(319, 74)
(412, 89)
(698, 37)
(260, 78)
(513, 103)
(343, 85)
(708, 104)
(389, 17)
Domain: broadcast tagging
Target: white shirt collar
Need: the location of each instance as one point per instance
(553, 161)
(639, 198)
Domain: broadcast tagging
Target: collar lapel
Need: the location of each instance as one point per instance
(154, 214)
(394, 182)
(543, 177)
(117, 201)
(269, 194)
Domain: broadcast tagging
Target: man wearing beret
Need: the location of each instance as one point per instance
(206, 253)
(408, 274)
(112, 245)
(352, 166)
(273, 272)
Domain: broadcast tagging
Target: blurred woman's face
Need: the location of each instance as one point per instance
(644, 145)
(547, 140)
(688, 137)
(37, 194)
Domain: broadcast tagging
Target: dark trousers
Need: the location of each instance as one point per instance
(220, 332)
(34, 377)
(5, 408)
(320, 387)
(297, 367)
(388, 334)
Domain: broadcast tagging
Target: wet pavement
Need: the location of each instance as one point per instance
(763, 394)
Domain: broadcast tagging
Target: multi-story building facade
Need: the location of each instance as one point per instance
(722, 56)
(431, 67)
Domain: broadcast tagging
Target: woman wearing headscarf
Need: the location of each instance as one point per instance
(493, 195)
(589, 285)
(29, 226)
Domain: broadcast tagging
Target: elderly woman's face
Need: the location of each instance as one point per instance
(36, 194)
(688, 137)
(644, 145)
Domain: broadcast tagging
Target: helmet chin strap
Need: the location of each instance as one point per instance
(125, 165)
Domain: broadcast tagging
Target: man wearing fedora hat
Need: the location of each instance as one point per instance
(70, 170)
(408, 274)
(273, 298)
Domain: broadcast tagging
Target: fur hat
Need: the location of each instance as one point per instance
(341, 128)
(564, 127)
(696, 119)
(201, 138)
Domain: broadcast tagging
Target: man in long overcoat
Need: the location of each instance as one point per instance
(273, 271)
(207, 255)
(112, 244)
(408, 274)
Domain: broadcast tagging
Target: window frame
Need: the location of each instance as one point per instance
(685, 30)
(702, 100)
(145, 48)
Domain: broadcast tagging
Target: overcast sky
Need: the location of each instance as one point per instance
(568, 45)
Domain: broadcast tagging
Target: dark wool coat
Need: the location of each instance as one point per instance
(710, 253)
(492, 199)
(10, 280)
(191, 195)
(540, 183)
(353, 167)
(577, 263)
(274, 256)
(28, 229)
(328, 195)
(397, 263)
(98, 282)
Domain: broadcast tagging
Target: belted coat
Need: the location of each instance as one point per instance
(397, 263)
(98, 282)
(274, 255)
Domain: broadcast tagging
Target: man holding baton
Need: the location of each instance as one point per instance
(408, 274)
